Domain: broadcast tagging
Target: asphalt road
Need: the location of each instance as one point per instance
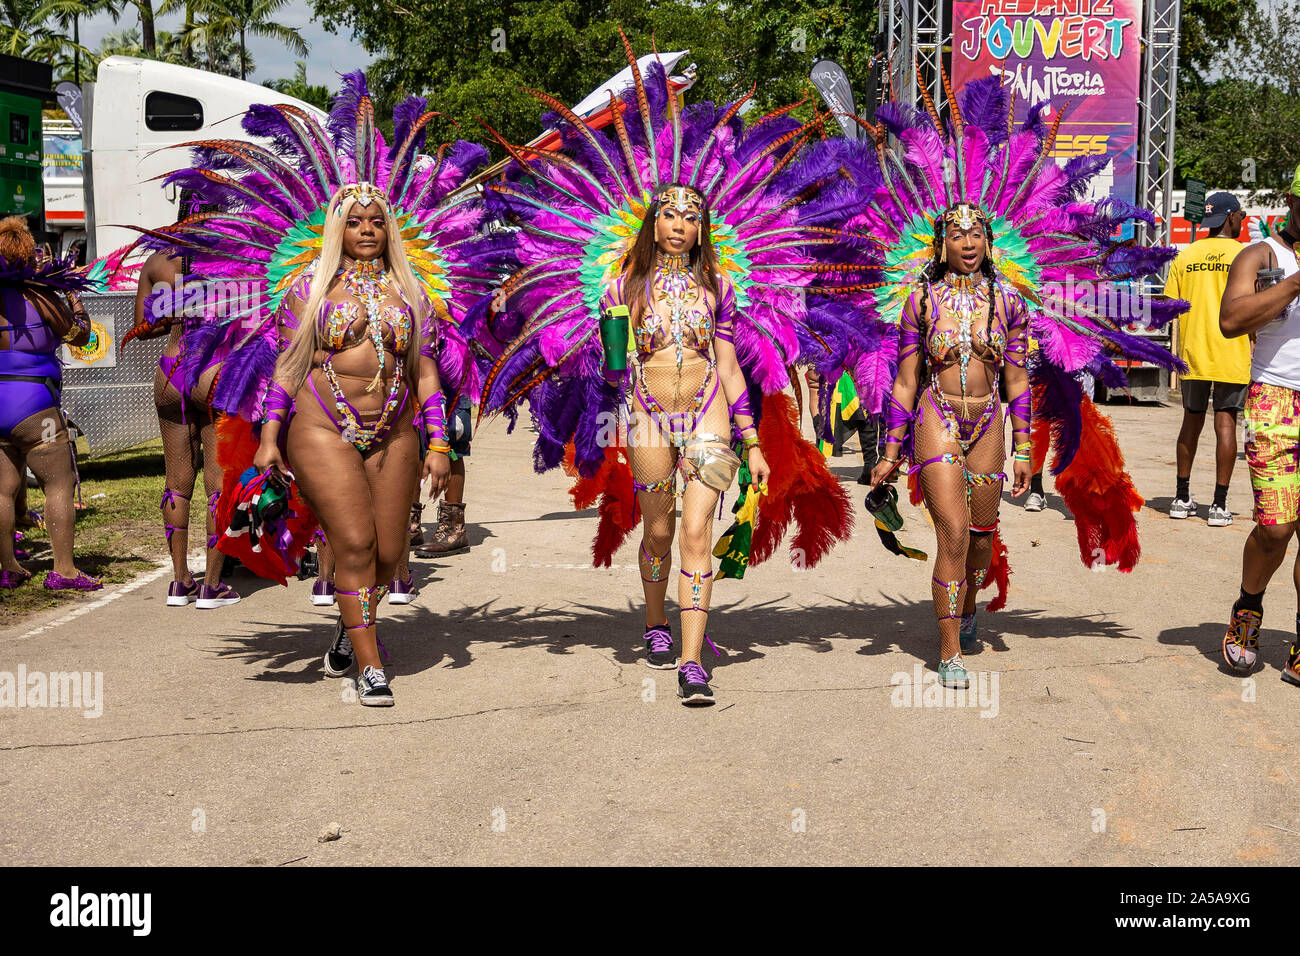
(528, 730)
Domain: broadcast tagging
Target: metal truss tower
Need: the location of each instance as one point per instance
(914, 29)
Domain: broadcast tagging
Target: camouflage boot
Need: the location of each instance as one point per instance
(450, 538)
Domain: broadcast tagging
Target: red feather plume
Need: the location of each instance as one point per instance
(1101, 496)
(612, 485)
(236, 446)
(801, 488)
(999, 574)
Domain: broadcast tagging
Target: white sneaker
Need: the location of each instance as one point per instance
(1183, 508)
(1035, 502)
(1219, 517)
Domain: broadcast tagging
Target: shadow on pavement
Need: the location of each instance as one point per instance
(1208, 639)
(425, 637)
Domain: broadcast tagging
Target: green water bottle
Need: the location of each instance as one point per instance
(614, 325)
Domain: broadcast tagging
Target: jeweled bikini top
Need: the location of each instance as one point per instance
(689, 323)
(966, 299)
(367, 315)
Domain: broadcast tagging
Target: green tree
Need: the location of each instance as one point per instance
(35, 29)
(1242, 130)
(298, 87)
(474, 58)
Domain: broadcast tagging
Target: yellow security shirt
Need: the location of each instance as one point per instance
(1199, 275)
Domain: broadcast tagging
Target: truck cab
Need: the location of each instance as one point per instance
(139, 107)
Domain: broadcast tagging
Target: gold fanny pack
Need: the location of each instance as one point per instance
(710, 459)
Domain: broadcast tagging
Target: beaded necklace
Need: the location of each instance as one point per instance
(965, 297)
(367, 281)
(672, 283)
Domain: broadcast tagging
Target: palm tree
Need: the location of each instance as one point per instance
(28, 27)
(72, 17)
(125, 42)
(300, 89)
(244, 18)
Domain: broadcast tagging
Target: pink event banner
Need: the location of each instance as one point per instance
(1086, 53)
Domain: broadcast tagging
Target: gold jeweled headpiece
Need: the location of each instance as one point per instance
(363, 193)
(964, 215)
(682, 198)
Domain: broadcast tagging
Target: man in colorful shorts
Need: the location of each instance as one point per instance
(1263, 297)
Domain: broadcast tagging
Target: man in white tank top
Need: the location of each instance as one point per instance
(1263, 297)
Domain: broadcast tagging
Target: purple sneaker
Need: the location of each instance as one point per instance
(659, 648)
(180, 594)
(693, 685)
(220, 596)
(402, 592)
(322, 593)
(82, 582)
(13, 579)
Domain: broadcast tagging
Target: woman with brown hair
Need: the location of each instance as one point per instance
(40, 312)
(687, 390)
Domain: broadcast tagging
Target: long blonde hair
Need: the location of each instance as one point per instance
(296, 361)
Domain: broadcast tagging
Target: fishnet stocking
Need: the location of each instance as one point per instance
(955, 504)
(363, 503)
(652, 459)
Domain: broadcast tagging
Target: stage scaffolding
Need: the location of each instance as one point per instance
(921, 29)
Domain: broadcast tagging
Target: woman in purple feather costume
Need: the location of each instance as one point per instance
(688, 390)
(963, 331)
(361, 338)
(355, 254)
(186, 420)
(984, 242)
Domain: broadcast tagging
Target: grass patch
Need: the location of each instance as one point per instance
(119, 531)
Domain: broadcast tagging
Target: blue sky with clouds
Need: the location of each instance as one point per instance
(329, 55)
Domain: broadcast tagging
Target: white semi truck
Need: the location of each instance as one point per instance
(134, 109)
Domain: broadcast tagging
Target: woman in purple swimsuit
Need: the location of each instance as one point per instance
(962, 331)
(188, 427)
(359, 368)
(37, 315)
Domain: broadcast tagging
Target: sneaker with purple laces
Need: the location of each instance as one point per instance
(402, 592)
(220, 596)
(322, 593)
(693, 685)
(82, 582)
(659, 647)
(180, 594)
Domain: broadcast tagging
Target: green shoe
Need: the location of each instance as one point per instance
(967, 634)
(952, 673)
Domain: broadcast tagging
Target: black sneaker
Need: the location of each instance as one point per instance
(693, 685)
(659, 647)
(338, 659)
(373, 689)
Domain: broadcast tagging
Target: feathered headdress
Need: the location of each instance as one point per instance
(268, 224)
(1048, 245)
(575, 212)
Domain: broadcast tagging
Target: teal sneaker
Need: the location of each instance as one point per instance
(966, 634)
(952, 673)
